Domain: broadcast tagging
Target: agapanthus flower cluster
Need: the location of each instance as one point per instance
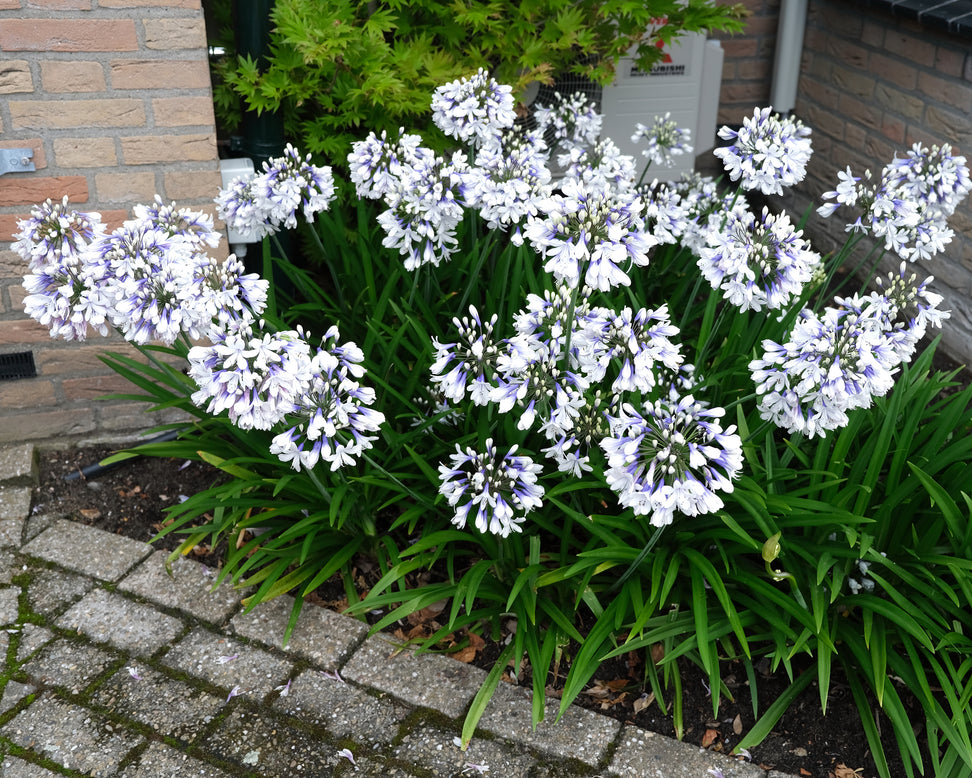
(149, 279)
(671, 456)
(376, 163)
(601, 164)
(591, 230)
(466, 365)
(472, 109)
(570, 121)
(270, 201)
(335, 420)
(665, 140)
(509, 178)
(841, 359)
(767, 153)
(496, 490)
(758, 261)
(910, 206)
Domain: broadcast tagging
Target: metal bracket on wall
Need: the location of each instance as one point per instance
(16, 161)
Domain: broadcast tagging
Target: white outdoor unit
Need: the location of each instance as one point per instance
(686, 85)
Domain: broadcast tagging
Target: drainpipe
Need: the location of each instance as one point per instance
(262, 134)
(789, 54)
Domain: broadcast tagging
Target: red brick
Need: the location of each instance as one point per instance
(853, 82)
(149, 4)
(950, 62)
(17, 190)
(158, 74)
(858, 111)
(9, 5)
(847, 53)
(8, 225)
(59, 359)
(36, 144)
(68, 35)
(893, 129)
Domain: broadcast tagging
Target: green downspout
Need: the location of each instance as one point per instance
(262, 134)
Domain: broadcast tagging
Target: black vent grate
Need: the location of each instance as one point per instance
(19, 365)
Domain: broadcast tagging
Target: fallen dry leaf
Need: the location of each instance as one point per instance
(710, 736)
(643, 702)
(805, 772)
(90, 513)
(466, 654)
(737, 724)
(843, 771)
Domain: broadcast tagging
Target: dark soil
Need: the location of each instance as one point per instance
(130, 500)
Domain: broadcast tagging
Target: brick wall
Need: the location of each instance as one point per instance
(748, 62)
(114, 98)
(872, 84)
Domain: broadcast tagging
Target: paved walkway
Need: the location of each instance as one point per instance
(114, 668)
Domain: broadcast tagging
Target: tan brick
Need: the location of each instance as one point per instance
(848, 53)
(856, 110)
(879, 149)
(35, 144)
(183, 111)
(20, 331)
(94, 387)
(26, 393)
(70, 359)
(910, 47)
(20, 190)
(173, 34)
(948, 91)
(67, 114)
(125, 187)
(34, 425)
(61, 5)
(68, 35)
(73, 76)
(898, 102)
(85, 152)
(899, 72)
(854, 82)
(15, 77)
(872, 33)
(192, 185)
(956, 128)
(739, 48)
(152, 149)
(149, 4)
(160, 74)
(9, 5)
(17, 294)
(949, 61)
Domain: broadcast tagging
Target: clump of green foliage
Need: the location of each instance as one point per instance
(340, 66)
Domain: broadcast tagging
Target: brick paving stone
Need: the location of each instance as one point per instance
(188, 588)
(107, 617)
(12, 767)
(162, 761)
(71, 736)
(14, 502)
(366, 766)
(13, 693)
(51, 591)
(36, 524)
(643, 754)
(170, 707)
(32, 638)
(437, 750)
(70, 665)
(11, 531)
(255, 671)
(18, 465)
(342, 709)
(580, 734)
(9, 605)
(271, 748)
(8, 567)
(428, 680)
(87, 550)
(320, 635)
